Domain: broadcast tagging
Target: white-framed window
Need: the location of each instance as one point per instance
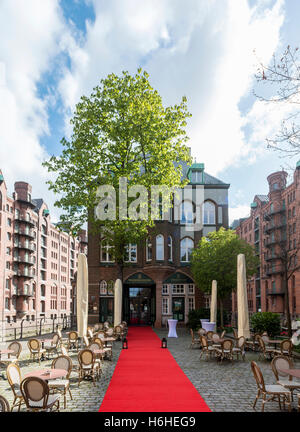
(160, 247)
(191, 289)
(178, 289)
(170, 248)
(110, 287)
(186, 248)
(186, 212)
(148, 249)
(191, 303)
(165, 306)
(131, 253)
(106, 251)
(209, 214)
(165, 289)
(207, 302)
(103, 287)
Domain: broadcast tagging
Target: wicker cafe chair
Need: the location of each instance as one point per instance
(206, 349)
(266, 352)
(99, 357)
(201, 332)
(225, 351)
(88, 367)
(14, 378)
(89, 332)
(16, 347)
(223, 334)
(107, 350)
(253, 343)
(240, 348)
(4, 405)
(286, 348)
(216, 340)
(118, 332)
(62, 385)
(35, 349)
(61, 339)
(51, 349)
(73, 340)
(36, 395)
(281, 362)
(195, 341)
(275, 391)
(75, 366)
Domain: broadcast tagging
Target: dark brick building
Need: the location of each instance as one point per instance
(158, 284)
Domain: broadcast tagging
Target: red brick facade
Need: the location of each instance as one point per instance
(273, 228)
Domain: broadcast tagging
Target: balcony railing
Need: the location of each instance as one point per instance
(25, 273)
(25, 291)
(271, 242)
(274, 227)
(25, 260)
(24, 219)
(274, 270)
(24, 245)
(25, 199)
(271, 292)
(269, 215)
(24, 232)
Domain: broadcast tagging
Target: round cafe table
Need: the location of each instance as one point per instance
(293, 372)
(47, 374)
(172, 327)
(5, 351)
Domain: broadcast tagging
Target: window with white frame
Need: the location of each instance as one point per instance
(178, 289)
(159, 247)
(186, 212)
(186, 248)
(209, 214)
(103, 287)
(148, 249)
(191, 303)
(165, 306)
(131, 253)
(106, 251)
(170, 248)
(165, 289)
(207, 302)
(191, 289)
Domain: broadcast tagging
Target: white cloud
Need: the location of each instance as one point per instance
(32, 30)
(238, 212)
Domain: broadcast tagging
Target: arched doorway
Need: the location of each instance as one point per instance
(139, 300)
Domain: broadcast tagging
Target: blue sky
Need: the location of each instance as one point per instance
(55, 51)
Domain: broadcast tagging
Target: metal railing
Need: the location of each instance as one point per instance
(42, 325)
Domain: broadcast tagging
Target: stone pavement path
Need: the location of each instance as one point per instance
(224, 386)
(87, 397)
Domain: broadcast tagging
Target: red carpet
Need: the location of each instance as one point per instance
(148, 379)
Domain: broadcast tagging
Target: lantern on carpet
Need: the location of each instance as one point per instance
(125, 343)
(164, 343)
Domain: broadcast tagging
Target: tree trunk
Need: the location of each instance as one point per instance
(221, 314)
(287, 304)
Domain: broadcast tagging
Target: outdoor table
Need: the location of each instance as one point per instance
(108, 339)
(293, 372)
(172, 327)
(209, 326)
(98, 351)
(47, 374)
(275, 342)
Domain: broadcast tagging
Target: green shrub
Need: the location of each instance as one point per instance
(266, 321)
(196, 314)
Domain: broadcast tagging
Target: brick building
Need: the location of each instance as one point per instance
(37, 262)
(157, 278)
(273, 228)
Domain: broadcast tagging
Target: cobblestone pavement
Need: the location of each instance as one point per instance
(86, 397)
(224, 386)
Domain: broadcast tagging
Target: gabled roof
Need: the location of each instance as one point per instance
(38, 204)
(263, 198)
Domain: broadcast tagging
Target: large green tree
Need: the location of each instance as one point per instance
(215, 258)
(122, 130)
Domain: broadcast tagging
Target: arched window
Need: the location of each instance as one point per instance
(209, 214)
(170, 248)
(43, 290)
(160, 247)
(186, 247)
(186, 212)
(106, 251)
(103, 287)
(148, 249)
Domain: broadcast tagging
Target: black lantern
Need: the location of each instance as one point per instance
(164, 343)
(125, 343)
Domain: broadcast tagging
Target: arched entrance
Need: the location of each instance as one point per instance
(139, 300)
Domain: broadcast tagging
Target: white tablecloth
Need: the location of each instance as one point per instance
(172, 328)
